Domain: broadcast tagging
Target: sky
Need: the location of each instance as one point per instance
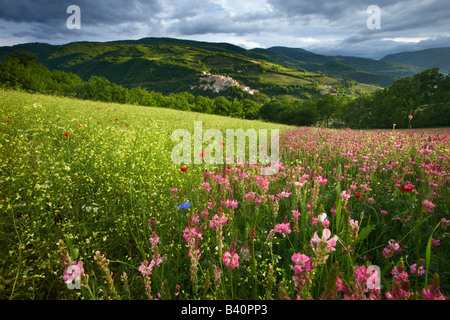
(332, 27)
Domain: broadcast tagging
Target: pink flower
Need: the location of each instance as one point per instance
(400, 284)
(296, 214)
(428, 205)
(302, 269)
(433, 292)
(324, 243)
(284, 194)
(413, 269)
(206, 186)
(282, 228)
(435, 242)
(231, 203)
(249, 196)
(301, 259)
(191, 233)
(146, 268)
(231, 260)
(154, 240)
(345, 195)
(393, 247)
(218, 221)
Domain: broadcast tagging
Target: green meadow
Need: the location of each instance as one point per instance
(93, 207)
(92, 174)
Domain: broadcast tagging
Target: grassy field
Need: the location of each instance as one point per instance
(89, 194)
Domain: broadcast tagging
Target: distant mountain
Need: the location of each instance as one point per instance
(363, 70)
(427, 59)
(169, 65)
(174, 65)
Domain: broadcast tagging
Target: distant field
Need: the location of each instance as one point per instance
(284, 79)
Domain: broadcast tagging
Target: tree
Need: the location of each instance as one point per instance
(222, 106)
(326, 107)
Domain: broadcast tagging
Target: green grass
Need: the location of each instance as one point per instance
(122, 167)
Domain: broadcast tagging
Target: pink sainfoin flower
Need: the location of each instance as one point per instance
(428, 206)
(303, 271)
(400, 285)
(231, 260)
(154, 240)
(413, 269)
(367, 281)
(218, 221)
(435, 242)
(146, 268)
(193, 236)
(282, 228)
(393, 247)
(262, 182)
(249, 196)
(284, 194)
(323, 246)
(296, 214)
(345, 195)
(231, 203)
(433, 292)
(322, 181)
(206, 186)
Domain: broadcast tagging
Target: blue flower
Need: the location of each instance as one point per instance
(184, 205)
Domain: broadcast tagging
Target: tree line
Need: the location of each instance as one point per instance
(422, 100)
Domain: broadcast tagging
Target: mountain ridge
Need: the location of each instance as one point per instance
(170, 64)
(427, 58)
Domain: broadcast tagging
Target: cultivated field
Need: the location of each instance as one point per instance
(93, 207)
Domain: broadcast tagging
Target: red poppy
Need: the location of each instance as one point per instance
(202, 154)
(223, 143)
(407, 188)
(183, 168)
(358, 195)
(117, 119)
(66, 134)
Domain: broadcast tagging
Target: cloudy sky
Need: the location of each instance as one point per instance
(322, 26)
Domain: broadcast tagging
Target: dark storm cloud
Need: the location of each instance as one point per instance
(322, 25)
(94, 12)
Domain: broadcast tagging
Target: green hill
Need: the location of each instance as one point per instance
(429, 58)
(172, 65)
(363, 70)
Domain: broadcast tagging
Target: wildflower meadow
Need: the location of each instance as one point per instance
(93, 207)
